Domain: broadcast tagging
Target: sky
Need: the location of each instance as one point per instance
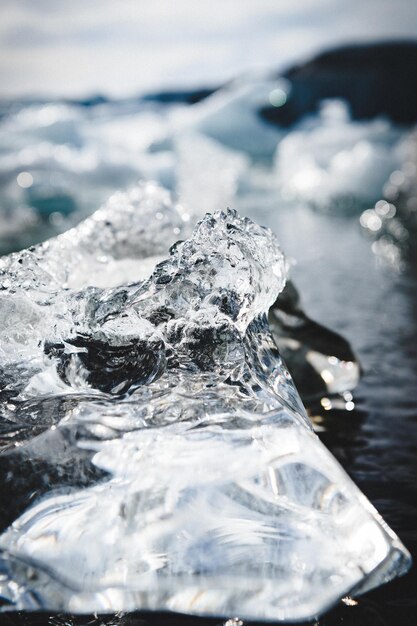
(124, 47)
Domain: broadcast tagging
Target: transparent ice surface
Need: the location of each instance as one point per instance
(156, 452)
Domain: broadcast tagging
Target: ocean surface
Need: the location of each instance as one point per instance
(313, 185)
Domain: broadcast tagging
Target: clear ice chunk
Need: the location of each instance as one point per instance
(155, 453)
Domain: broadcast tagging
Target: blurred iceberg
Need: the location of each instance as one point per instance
(335, 163)
(230, 116)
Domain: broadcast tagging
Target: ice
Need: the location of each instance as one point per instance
(332, 161)
(230, 116)
(33, 282)
(58, 163)
(208, 174)
(203, 172)
(156, 453)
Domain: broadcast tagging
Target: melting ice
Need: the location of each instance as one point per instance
(145, 404)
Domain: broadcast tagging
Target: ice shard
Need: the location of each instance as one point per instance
(155, 453)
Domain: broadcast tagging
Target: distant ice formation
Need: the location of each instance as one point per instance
(335, 163)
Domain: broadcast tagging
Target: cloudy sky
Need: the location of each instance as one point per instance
(122, 47)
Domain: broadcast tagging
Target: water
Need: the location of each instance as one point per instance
(345, 286)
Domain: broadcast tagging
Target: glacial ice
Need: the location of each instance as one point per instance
(230, 116)
(155, 452)
(330, 160)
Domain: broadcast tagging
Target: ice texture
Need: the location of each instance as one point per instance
(155, 452)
